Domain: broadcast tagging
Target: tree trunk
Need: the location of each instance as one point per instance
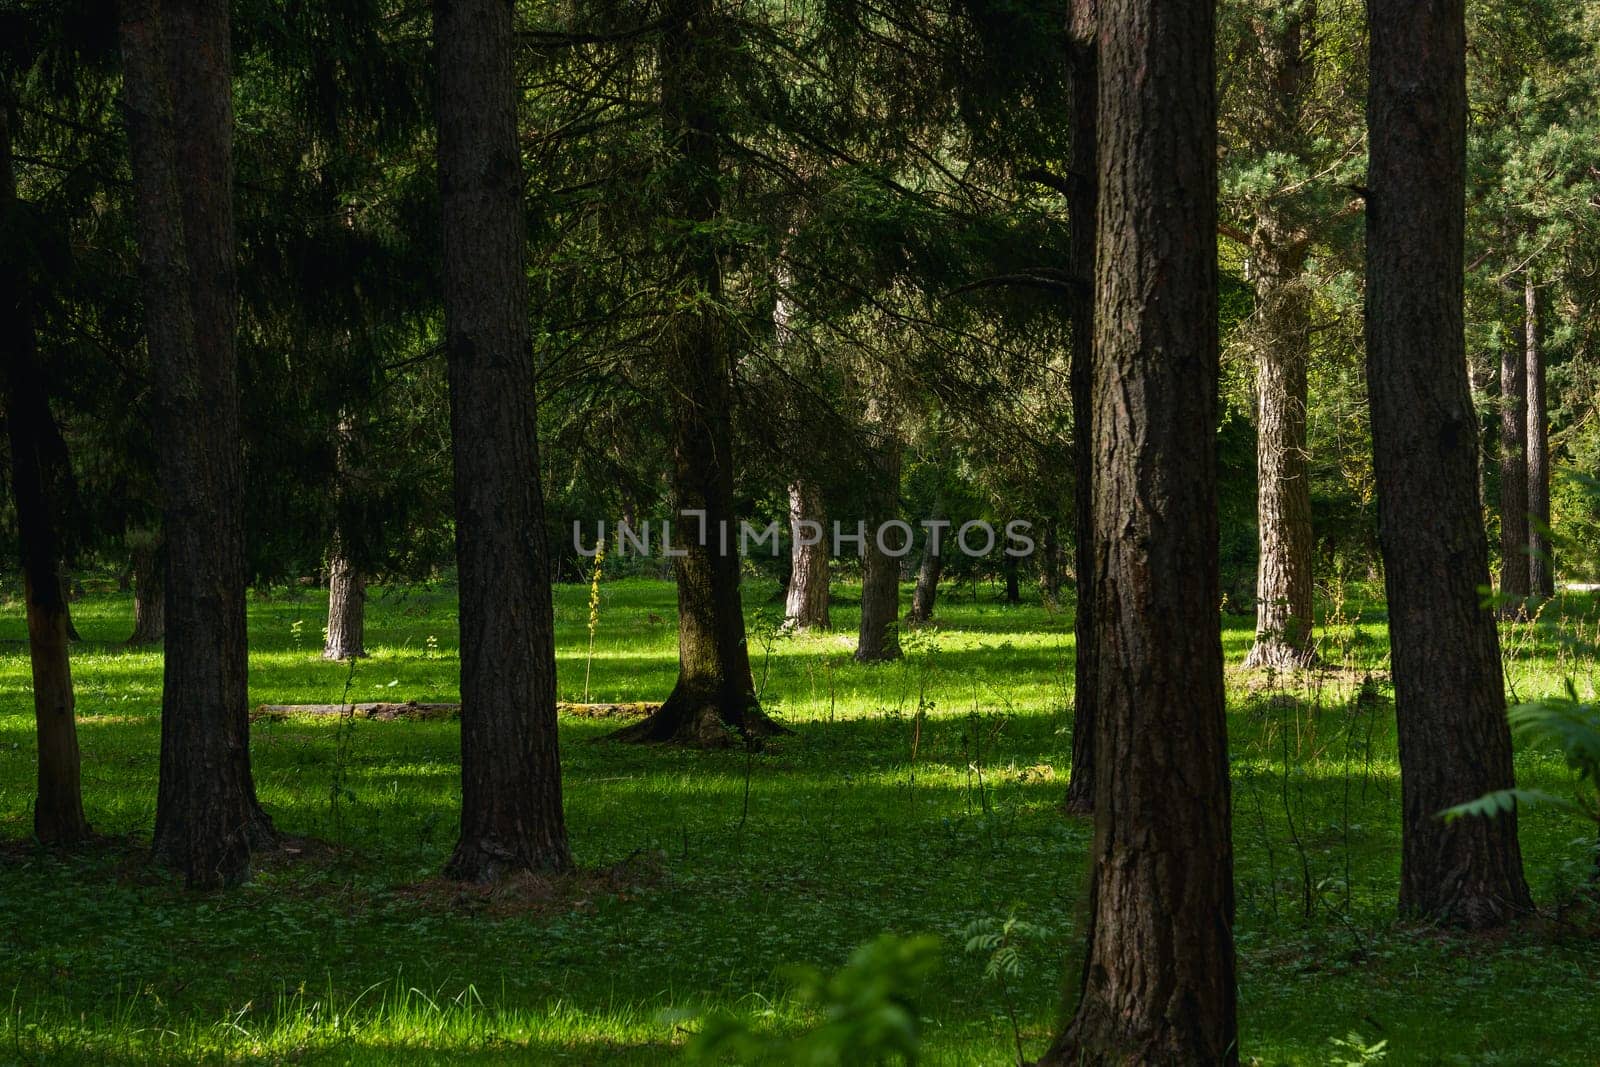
(1158, 982)
(1050, 564)
(878, 638)
(347, 608)
(1514, 571)
(1284, 609)
(714, 701)
(926, 593)
(1082, 204)
(1541, 571)
(347, 586)
(149, 592)
(1449, 695)
(177, 84)
(806, 603)
(1282, 340)
(38, 471)
(511, 817)
(1013, 586)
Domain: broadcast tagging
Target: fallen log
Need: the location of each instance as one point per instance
(415, 711)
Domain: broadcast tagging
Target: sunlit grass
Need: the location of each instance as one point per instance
(913, 797)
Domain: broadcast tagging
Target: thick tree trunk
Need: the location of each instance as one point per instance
(926, 594)
(38, 466)
(1514, 571)
(1541, 570)
(149, 592)
(1158, 981)
(714, 701)
(878, 638)
(1449, 696)
(1282, 340)
(806, 602)
(511, 817)
(177, 84)
(1083, 203)
(1284, 590)
(347, 608)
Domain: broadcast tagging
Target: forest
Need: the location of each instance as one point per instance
(1054, 532)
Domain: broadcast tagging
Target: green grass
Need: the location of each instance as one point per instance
(350, 953)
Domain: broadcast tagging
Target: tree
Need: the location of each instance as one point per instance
(347, 598)
(1449, 697)
(806, 600)
(1082, 204)
(1541, 579)
(39, 478)
(1282, 343)
(176, 60)
(714, 700)
(877, 638)
(149, 566)
(926, 592)
(347, 585)
(511, 817)
(1158, 977)
(1514, 571)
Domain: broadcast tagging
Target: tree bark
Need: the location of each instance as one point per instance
(511, 816)
(1010, 569)
(1284, 577)
(347, 608)
(806, 602)
(714, 701)
(1284, 588)
(1158, 981)
(926, 594)
(38, 466)
(1050, 564)
(149, 591)
(1082, 205)
(347, 586)
(1449, 695)
(878, 638)
(1514, 570)
(1541, 570)
(177, 84)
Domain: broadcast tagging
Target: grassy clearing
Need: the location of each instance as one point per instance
(914, 797)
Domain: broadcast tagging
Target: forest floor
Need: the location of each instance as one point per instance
(915, 798)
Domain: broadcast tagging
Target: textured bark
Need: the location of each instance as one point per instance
(149, 592)
(1282, 342)
(176, 82)
(511, 817)
(878, 638)
(1082, 205)
(347, 608)
(1159, 978)
(1449, 695)
(347, 586)
(1284, 589)
(714, 701)
(806, 602)
(38, 466)
(1541, 570)
(926, 593)
(1514, 570)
